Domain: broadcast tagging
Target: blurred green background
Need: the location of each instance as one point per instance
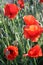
(13, 33)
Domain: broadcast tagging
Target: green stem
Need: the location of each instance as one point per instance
(29, 48)
(35, 61)
(2, 61)
(28, 43)
(15, 62)
(10, 62)
(7, 62)
(14, 25)
(5, 31)
(4, 43)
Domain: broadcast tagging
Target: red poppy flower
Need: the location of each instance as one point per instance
(30, 20)
(34, 52)
(11, 52)
(41, 1)
(11, 10)
(21, 3)
(32, 32)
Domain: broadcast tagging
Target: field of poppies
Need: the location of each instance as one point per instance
(21, 32)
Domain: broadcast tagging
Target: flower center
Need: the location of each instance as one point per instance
(7, 52)
(11, 51)
(10, 13)
(33, 27)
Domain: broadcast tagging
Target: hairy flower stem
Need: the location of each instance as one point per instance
(3, 43)
(28, 44)
(16, 62)
(5, 30)
(35, 61)
(29, 48)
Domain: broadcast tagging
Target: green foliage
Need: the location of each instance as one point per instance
(12, 30)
